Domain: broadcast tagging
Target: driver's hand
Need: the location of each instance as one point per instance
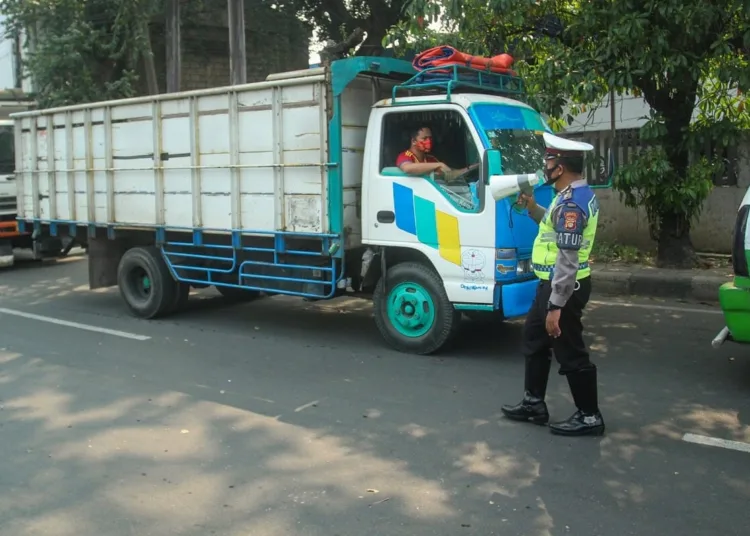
(442, 170)
(526, 201)
(473, 166)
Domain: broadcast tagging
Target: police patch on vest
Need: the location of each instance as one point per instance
(569, 240)
(571, 220)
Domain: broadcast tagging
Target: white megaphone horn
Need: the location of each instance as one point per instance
(502, 186)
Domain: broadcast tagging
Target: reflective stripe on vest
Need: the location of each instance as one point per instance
(544, 254)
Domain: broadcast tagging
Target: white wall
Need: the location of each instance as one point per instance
(630, 112)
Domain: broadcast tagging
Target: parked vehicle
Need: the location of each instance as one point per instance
(734, 296)
(10, 236)
(289, 186)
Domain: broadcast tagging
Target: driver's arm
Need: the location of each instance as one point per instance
(414, 168)
(454, 174)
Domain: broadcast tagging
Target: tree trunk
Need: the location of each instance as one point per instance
(675, 248)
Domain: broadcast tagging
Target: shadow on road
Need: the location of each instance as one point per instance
(129, 442)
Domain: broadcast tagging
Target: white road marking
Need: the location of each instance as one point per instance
(716, 442)
(87, 327)
(305, 406)
(659, 307)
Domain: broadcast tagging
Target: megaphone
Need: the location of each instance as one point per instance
(502, 186)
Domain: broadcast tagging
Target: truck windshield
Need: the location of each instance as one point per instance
(517, 132)
(7, 156)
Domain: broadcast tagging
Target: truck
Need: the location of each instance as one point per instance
(289, 186)
(11, 238)
(8, 225)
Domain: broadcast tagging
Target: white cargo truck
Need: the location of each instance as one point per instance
(290, 186)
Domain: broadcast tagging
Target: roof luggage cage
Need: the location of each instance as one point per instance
(449, 79)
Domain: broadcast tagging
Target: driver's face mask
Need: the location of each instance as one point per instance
(424, 145)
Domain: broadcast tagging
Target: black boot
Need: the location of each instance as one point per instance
(532, 408)
(587, 420)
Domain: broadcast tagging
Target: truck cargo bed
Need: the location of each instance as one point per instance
(244, 157)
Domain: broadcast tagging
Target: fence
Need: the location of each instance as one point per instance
(628, 143)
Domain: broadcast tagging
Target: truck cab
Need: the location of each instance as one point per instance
(8, 226)
(480, 248)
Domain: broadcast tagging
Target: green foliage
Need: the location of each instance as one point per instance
(651, 182)
(687, 58)
(337, 19)
(82, 51)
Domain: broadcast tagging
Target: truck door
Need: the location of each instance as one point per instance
(451, 224)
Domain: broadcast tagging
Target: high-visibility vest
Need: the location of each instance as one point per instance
(553, 231)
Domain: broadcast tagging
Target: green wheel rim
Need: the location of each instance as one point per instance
(411, 309)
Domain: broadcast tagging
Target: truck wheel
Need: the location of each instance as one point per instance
(237, 294)
(412, 310)
(146, 285)
(181, 298)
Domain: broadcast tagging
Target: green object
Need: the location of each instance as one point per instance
(544, 253)
(493, 163)
(426, 214)
(411, 309)
(392, 171)
(735, 303)
(473, 307)
(334, 248)
(453, 77)
(343, 73)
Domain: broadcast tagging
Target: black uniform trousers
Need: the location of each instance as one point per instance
(569, 348)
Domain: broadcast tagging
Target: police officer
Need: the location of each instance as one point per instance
(560, 260)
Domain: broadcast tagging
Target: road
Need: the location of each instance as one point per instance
(288, 418)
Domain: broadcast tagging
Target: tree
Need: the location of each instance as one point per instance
(687, 58)
(82, 51)
(337, 19)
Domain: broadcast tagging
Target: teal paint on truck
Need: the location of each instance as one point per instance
(343, 73)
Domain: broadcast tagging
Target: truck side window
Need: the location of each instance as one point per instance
(452, 145)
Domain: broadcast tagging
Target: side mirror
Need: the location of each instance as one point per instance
(492, 164)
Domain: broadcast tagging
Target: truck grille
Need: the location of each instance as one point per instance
(7, 204)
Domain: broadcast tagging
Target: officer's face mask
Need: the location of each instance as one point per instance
(549, 173)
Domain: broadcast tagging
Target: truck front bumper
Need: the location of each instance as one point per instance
(735, 304)
(515, 299)
(8, 229)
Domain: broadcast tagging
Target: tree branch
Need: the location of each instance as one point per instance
(339, 50)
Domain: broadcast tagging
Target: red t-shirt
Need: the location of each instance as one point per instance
(408, 156)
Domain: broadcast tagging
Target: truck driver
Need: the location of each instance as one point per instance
(418, 160)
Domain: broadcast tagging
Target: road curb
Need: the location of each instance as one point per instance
(675, 284)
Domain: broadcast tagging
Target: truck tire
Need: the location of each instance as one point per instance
(412, 310)
(234, 294)
(146, 285)
(181, 298)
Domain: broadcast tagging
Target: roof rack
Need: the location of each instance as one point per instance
(448, 79)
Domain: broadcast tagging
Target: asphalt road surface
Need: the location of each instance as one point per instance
(288, 418)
